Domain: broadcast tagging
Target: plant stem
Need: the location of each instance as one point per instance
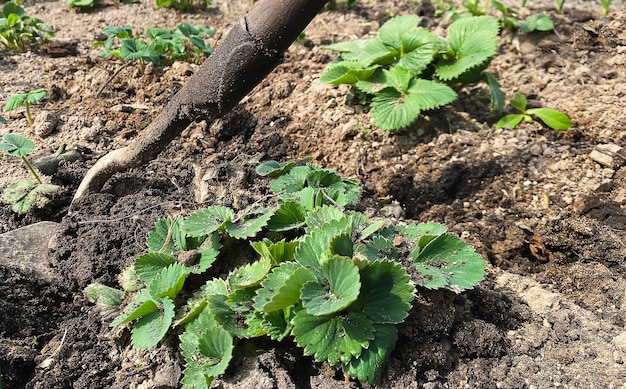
(30, 167)
(28, 115)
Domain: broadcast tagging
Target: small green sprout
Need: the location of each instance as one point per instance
(559, 6)
(24, 193)
(536, 22)
(552, 118)
(25, 99)
(605, 6)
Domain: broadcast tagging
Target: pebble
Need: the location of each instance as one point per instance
(603, 154)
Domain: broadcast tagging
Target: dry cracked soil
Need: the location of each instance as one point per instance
(545, 208)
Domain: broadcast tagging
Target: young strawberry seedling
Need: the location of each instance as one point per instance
(552, 118)
(25, 99)
(183, 5)
(21, 32)
(24, 193)
(81, 4)
(406, 70)
(165, 46)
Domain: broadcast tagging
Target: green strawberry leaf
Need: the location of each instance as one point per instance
(392, 110)
(16, 145)
(341, 286)
(346, 72)
(336, 339)
(249, 227)
(386, 293)
(169, 281)
(448, 262)
(273, 169)
(148, 266)
(311, 251)
(142, 305)
(250, 275)
(207, 220)
(392, 32)
(167, 236)
(368, 367)
(151, 328)
(289, 216)
(473, 42)
(276, 252)
(282, 287)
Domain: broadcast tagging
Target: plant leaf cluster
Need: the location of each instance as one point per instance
(21, 32)
(509, 18)
(183, 5)
(81, 4)
(329, 278)
(405, 70)
(23, 194)
(163, 46)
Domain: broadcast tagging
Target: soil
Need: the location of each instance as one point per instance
(545, 208)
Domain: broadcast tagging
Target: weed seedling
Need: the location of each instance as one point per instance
(605, 6)
(24, 193)
(552, 118)
(25, 99)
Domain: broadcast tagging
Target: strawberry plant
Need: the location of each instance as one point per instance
(406, 70)
(21, 32)
(332, 280)
(81, 4)
(25, 99)
(552, 118)
(165, 46)
(183, 5)
(25, 193)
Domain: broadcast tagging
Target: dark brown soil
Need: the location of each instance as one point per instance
(546, 209)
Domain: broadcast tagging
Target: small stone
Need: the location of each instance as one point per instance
(45, 123)
(601, 158)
